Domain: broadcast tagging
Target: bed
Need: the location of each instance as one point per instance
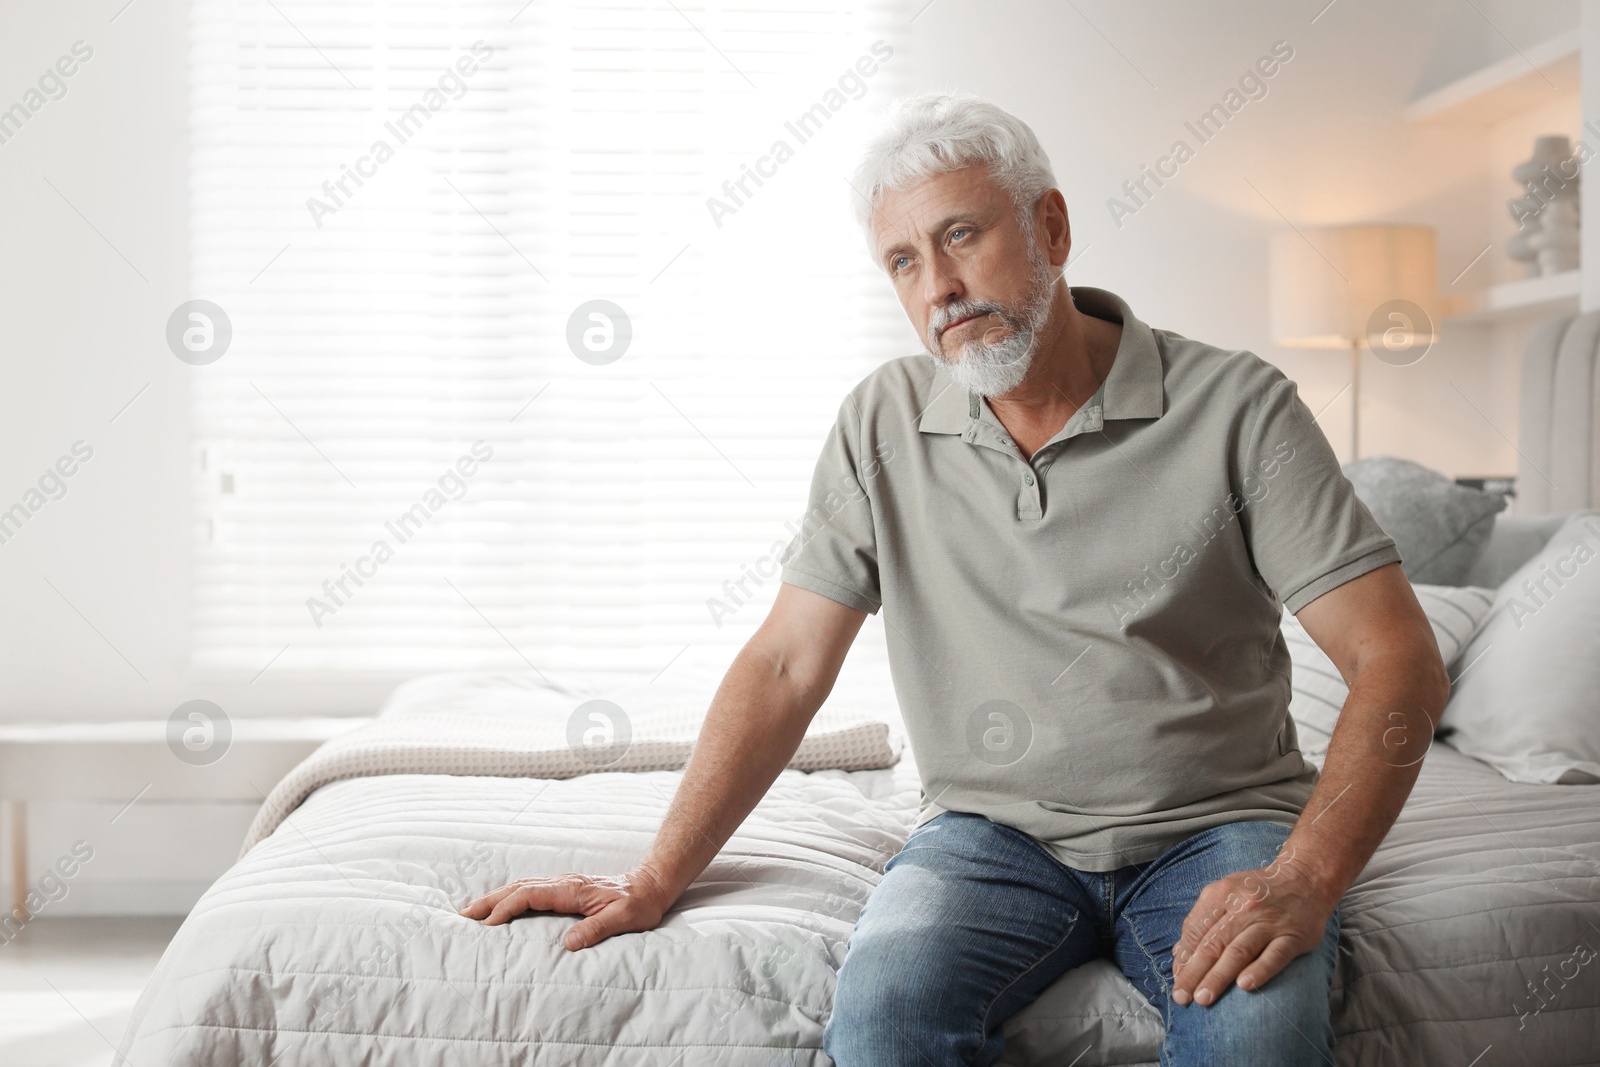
(1470, 939)
(335, 939)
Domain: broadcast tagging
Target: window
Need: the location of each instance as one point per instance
(405, 210)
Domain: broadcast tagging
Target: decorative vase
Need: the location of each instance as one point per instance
(1518, 247)
(1547, 212)
(1557, 240)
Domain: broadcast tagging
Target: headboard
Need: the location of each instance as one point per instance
(1559, 433)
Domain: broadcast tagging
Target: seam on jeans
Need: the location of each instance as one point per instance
(1166, 1000)
(983, 1025)
(1108, 883)
(1154, 966)
(1033, 843)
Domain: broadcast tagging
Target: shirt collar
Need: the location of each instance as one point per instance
(1132, 389)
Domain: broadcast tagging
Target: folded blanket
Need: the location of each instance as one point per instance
(520, 726)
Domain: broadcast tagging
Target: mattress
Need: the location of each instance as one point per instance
(1470, 937)
(336, 939)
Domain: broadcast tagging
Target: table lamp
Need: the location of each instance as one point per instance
(1343, 287)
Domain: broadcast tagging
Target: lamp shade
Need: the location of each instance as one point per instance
(1327, 283)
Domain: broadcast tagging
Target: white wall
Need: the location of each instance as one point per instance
(83, 331)
(84, 316)
(83, 334)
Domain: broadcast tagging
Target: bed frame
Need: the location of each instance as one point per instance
(1558, 468)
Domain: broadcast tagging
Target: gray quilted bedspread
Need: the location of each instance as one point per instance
(1469, 941)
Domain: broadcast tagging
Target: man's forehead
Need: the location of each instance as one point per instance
(901, 214)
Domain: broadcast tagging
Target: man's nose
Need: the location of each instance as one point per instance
(942, 288)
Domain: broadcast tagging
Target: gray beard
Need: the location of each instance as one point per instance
(995, 368)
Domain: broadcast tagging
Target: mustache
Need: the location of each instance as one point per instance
(943, 316)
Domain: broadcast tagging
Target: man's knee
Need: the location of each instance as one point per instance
(895, 1003)
(1253, 1027)
(1285, 1023)
(882, 983)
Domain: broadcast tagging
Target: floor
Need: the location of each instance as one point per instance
(67, 987)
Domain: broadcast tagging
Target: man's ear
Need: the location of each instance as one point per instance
(1051, 212)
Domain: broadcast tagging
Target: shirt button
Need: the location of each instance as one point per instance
(1028, 478)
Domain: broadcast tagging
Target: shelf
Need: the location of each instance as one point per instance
(1550, 294)
(1504, 88)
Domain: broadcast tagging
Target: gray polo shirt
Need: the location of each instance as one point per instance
(1085, 646)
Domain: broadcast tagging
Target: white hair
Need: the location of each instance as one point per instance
(935, 132)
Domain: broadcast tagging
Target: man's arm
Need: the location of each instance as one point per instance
(756, 722)
(1251, 925)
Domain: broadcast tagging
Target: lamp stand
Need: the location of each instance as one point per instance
(1355, 399)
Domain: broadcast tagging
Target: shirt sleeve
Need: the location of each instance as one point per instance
(834, 551)
(1306, 529)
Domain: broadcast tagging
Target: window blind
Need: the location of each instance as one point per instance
(401, 463)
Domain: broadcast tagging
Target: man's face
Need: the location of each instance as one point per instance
(973, 282)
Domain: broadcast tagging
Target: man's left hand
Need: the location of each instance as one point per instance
(1246, 928)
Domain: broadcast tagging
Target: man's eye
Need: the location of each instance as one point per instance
(898, 260)
(955, 235)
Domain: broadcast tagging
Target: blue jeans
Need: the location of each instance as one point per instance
(973, 920)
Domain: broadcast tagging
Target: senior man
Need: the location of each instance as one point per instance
(1082, 532)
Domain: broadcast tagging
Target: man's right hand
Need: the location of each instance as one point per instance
(756, 722)
(620, 904)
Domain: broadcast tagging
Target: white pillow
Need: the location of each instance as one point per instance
(1318, 692)
(1528, 699)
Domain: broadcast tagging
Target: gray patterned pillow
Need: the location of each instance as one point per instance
(1440, 527)
(1319, 692)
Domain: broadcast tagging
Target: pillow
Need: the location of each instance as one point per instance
(1528, 700)
(518, 724)
(1514, 541)
(1318, 691)
(1440, 527)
